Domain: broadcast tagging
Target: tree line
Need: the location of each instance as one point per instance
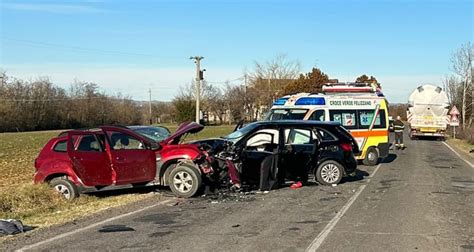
(40, 105)
(458, 84)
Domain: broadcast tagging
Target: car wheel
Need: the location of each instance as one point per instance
(372, 157)
(329, 173)
(66, 187)
(184, 180)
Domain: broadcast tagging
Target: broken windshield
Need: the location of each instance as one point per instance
(158, 134)
(286, 114)
(237, 135)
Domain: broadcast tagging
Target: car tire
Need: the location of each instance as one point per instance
(184, 180)
(329, 173)
(66, 187)
(371, 157)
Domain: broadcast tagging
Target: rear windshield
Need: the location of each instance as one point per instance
(345, 133)
(286, 114)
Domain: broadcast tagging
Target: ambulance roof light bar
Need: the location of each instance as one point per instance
(352, 88)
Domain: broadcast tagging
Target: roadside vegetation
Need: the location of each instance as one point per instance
(464, 141)
(39, 205)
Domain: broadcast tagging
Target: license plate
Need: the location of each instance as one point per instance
(428, 130)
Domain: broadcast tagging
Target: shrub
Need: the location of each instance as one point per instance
(466, 134)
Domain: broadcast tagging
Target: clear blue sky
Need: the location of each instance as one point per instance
(130, 46)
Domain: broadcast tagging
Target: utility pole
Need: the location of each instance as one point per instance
(199, 77)
(149, 107)
(246, 106)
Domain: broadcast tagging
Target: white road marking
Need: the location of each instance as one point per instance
(459, 155)
(90, 226)
(325, 232)
(375, 171)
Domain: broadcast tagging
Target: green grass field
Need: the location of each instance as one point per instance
(39, 205)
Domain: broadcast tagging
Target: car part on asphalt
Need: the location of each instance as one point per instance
(11, 227)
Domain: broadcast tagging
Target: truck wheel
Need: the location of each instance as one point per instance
(184, 180)
(66, 187)
(329, 172)
(371, 157)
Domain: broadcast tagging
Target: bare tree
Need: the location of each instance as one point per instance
(236, 102)
(269, 78)
(462, 66)
(217, 103)
(450, 84)
(207, 91)
(39, 105)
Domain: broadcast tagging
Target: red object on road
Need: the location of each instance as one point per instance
(296, 185)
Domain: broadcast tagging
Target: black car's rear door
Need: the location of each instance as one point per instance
(299, 148)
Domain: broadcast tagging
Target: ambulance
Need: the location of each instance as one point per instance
(360, 108)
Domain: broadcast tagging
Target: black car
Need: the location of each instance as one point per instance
(325, 149)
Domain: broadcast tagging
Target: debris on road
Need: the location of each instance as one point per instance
(176, 203)
(226, 195)
(115, 228)
(11, 227)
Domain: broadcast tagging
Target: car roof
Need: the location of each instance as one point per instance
(296, 123)
(144, 126)
(95, 129)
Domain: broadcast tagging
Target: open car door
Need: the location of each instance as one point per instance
(131, 155)
(299, 151)
(89, 158)
(259, 147)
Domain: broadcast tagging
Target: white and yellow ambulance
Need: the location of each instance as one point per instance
(360, 108)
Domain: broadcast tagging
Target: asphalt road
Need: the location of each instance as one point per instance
(418, 199)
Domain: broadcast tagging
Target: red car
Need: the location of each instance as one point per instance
(112, 157)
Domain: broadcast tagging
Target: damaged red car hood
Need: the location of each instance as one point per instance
(184, 128)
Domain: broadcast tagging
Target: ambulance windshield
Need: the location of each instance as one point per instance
(286, 114)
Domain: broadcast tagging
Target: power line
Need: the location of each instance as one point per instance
(84, 49)
(62, 99)
(225, 82)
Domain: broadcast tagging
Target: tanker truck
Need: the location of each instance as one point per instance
(427, 112)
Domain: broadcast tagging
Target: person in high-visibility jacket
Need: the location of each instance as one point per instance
(398, 127)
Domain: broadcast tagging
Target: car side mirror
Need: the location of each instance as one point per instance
(155, 146)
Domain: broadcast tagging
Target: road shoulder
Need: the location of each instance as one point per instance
(35, 236)
(461, 152)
